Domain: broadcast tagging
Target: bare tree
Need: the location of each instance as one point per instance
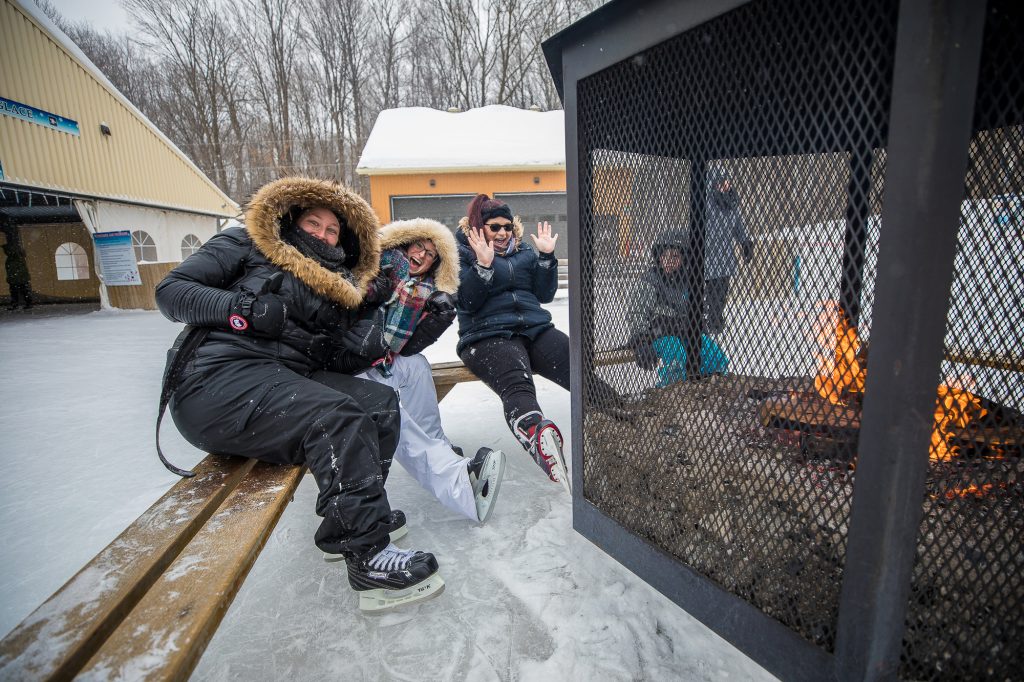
(270, 29)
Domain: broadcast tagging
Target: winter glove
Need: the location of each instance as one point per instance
(441, 304)
(380, 287)
(261, 313)
(438, 316)
(366, 337)
(747, 250)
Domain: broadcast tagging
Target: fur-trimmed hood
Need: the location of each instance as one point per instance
(404, 232)
(517, 229)
(275, 199)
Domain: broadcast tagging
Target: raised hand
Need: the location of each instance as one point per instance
(484, 251)
(544, 240)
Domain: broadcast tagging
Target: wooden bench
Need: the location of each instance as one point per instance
(148, 604)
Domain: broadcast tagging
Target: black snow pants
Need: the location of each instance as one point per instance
(507, 367)
(344, 429)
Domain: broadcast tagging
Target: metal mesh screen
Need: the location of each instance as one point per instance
(739, 458)
(966, 612)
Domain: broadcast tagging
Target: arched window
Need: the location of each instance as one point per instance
(72, 261)
(189, 245)
(145, 247)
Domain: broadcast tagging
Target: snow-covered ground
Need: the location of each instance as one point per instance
(526, 597)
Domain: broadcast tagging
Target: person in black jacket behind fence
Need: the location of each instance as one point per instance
(272, 309)
(504, 333)
(661, 322)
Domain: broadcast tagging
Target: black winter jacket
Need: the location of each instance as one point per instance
(506, 299)
(321, 304)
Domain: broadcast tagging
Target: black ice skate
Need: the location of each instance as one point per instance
(485, 472)
(394, 577)
(397, 529)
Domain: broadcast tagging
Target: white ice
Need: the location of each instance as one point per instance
(526, 597)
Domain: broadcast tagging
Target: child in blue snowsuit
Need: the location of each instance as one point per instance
(659, 317)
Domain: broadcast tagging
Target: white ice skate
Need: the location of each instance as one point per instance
(485, 472)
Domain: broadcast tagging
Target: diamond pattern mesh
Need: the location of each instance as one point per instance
(736, 455)
(965, 617)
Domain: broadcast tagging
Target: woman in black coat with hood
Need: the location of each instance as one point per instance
(272, 308)
(505, 336)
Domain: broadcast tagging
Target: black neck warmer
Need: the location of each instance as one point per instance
(331, 257)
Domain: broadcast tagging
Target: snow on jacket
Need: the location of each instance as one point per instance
(201, 290)
(723, 226)
(506, 299)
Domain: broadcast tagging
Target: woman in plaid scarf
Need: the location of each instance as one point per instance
(415, 294)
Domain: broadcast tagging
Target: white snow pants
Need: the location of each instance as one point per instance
(423, 449)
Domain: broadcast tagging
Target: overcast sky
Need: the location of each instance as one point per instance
(102, 14)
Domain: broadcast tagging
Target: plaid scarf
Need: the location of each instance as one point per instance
(404, 310)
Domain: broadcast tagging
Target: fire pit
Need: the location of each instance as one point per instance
(841, 493)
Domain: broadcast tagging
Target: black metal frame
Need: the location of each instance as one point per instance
(930, 123)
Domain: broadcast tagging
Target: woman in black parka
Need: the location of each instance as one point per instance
(276, 305)
(504, 333)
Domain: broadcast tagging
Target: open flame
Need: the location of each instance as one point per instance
(955, 407)
(840, 374)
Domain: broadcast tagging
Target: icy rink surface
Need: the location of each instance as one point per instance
(526, 597)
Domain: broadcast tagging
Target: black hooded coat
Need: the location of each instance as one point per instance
(274, 399)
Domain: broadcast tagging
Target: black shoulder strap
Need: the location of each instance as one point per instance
(180, 352)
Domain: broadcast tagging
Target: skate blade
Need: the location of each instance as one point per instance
(492, 474)
(396, 534)
(377, 601)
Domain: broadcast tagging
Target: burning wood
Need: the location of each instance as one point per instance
(964, 422)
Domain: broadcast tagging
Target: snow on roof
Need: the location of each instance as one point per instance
(492, 137)
(33, 10)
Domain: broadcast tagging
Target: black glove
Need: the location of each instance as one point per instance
(747, 249)
(440, 304)
(366, 337)
(380, 288)
(262, 313)
(646, 358)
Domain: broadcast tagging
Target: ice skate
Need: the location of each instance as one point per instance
(397, 529)
(543, 440)
(485, 472)
(394, 577)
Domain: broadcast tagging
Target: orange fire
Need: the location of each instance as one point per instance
(955, 407)
(840, 372)
(841, 375)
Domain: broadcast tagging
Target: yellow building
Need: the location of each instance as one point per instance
(78, 159)
(430, 164)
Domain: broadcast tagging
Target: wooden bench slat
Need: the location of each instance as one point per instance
(164, 636)
(60, 636)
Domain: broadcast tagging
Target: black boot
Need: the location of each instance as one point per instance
(393, 577)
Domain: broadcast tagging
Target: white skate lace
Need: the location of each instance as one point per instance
(391, 558)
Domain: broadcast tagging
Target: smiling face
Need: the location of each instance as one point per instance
(670, 260)
(322, 224)
(422, 255)
(498, 233)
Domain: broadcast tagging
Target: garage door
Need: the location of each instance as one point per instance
(445, 208)
(537, 207)
(532, 207)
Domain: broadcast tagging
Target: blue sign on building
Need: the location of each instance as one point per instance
(9, 107)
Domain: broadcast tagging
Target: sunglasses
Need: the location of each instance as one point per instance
(498, 227)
